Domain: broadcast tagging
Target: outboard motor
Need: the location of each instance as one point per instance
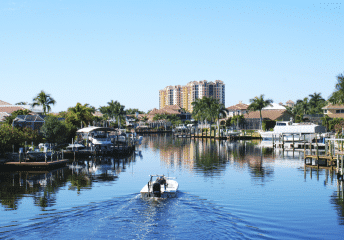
(156, 190)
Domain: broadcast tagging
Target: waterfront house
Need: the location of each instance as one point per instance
(252, 119)
(238, 109)
(334, 110)
(170, 110)
(290, 103)
(35, 122)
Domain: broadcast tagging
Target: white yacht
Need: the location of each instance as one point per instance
(290, 130)
(104, 137)
(160, 186)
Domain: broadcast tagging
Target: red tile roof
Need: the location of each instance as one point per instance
(4, 103)
(270, 114)
(239, 106)
(10, 109)
(334, 106)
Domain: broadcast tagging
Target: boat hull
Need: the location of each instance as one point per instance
(163, 195)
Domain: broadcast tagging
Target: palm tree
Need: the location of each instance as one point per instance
(305, 106)
(257, 104)
(113, 110)
(198, 110)
(21, 103)
(316, 102)
(80, 114)
(326, 121)
(337, 97)
(144, 118)
(217, 111)
(43, 100)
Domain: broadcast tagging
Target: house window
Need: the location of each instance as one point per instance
(325, 111)
(339, 111)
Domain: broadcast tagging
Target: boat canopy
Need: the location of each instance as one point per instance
(92, 129)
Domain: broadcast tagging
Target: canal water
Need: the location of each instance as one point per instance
(227, 190)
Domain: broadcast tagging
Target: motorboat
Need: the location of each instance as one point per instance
(104, 138)
(160, 186)
(293, 131)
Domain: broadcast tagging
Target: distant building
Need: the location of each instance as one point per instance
(290, 103)
(238, 109)
(183, 96)
(173, 109)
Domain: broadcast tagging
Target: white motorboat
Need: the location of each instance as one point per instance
(293, 131)
(160, 186)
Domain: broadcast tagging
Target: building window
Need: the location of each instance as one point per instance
(339, 111)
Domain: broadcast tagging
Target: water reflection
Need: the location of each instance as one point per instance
(330, 179)
(212, 157)
(43, 186)
(338, 201)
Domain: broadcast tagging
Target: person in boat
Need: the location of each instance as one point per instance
(162, 181)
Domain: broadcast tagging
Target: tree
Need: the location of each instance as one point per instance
(337, 97)
(113, 110)
(21, 103)
(43, 100)
(221, 111)
(237, 120)
(305, 106)
(257, 104)
(316, 103)
(56, 131)
(16, 137)
(80, 114)
(198, 110)
(133, 111)
(144, 118)
(326, 121)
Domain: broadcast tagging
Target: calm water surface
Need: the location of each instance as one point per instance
(227, 190)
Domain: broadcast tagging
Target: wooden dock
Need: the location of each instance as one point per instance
(318, 161)
(35, 165)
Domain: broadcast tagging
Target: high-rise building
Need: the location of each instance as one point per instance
(183, 96)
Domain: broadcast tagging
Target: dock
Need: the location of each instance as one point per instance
(35, 165)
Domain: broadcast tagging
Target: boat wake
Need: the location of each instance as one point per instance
(132, 217)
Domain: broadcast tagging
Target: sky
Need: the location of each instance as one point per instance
(97, 51)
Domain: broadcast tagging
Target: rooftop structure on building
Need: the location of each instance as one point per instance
(183, 96)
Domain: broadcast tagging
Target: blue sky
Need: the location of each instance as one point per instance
(96, 51)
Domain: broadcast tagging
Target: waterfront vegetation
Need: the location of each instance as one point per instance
(12, 138)
(208, 109)
(205, 110)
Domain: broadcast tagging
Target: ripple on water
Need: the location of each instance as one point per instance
(186, 216)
